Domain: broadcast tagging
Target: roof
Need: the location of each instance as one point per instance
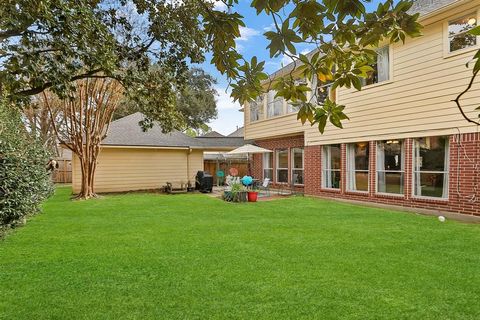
(213, 134)
(222, 142)
(237, 133)
(425, 7)
(127, 132)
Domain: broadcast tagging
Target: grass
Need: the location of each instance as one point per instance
(149, 256)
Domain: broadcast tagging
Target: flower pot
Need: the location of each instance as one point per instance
(252, 196)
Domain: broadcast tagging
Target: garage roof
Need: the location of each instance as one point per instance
(127, 132)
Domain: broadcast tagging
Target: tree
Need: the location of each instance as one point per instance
(37, 120)
(51, 43)
(85, 118)
(195, 101)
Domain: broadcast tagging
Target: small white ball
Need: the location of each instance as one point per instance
(441, 218)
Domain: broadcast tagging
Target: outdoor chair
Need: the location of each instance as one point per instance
(265, 187)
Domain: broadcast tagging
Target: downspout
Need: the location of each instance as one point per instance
(188, 163)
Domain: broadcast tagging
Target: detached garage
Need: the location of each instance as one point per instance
(131, 159)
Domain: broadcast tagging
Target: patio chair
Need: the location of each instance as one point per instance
(265, 187)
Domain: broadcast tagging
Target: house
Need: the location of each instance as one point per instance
(131, 159)
(406, 142)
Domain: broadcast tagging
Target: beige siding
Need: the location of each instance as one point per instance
(416, 102)
(125, 169)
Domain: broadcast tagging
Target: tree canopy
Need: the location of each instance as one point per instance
(50, 43)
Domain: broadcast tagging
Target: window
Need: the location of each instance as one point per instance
(282, 166)
(430, 167)
(331, 166)
(390, 166)
(268, 166)
(458, 36)
(274, 105)
(322, 91)
(290, 107)
(255, 109)
(381, 69)
(357, 166)
(297, 165)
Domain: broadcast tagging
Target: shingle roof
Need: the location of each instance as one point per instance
(427, 6)
(127, 132)
(222, 142)
(213, 134)
(237, 133)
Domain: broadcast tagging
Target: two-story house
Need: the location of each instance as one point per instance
(406, 142)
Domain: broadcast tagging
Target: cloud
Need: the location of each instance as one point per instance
(269, 28)
(220, 6)
(224, 101)
(246, 33)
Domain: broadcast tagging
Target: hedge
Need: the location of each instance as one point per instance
(24, 181)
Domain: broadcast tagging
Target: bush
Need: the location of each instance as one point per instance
(24, 182)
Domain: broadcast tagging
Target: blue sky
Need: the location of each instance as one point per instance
(251, 43)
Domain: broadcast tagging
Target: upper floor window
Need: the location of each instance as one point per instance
(458, 36)
(297, 165)
(290, 107)
(268, 166)
(430, 167)
(390, 166)
(282, 166)
(255, 109)
(357, 166)
(274, 105)
(331, 174)
(321, 91)
(381, 69)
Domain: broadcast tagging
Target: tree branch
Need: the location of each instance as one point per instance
(457, 100)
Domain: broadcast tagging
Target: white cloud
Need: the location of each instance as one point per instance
(220, 6)
(246, 33)
(269, 28)
(224, 101)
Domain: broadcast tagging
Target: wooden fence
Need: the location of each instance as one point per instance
(64, 172)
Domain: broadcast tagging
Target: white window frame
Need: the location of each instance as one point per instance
(402, 159)
(390, 69)
(327, 154)
(446, 39)
(271, 102)
(266, 164)
(351, 174)
(446, 171)
(277, 168)
(292, 156)
(315, 90)
(256, 106)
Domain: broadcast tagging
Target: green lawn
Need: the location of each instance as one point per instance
(149, 256)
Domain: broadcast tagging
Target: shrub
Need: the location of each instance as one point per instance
(24, 181)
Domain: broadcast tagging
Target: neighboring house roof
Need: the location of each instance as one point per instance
(213, 134)
(127, 132)
(237, 133)
(222, 142)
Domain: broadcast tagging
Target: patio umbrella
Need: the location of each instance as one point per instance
(247, 150)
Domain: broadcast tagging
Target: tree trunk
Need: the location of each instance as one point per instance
(88, 165)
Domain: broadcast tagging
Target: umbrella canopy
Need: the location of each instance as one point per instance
(248, 149)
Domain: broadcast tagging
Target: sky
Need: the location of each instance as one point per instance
(252, 42)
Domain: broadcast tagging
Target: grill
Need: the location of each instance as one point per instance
(204, 181)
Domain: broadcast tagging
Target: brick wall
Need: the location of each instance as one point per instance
(464, 175)
(275, 144)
